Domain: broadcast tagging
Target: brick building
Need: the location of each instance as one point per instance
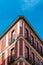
(20, 45)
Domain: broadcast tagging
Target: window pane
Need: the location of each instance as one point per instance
(27, 53)
(12, 53)
(12, 36)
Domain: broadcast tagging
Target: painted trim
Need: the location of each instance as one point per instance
(18, 52)
(23, 44)
(18, 27)
(18, 41)
(23, 41)
(6, 39)
(6, 53)
(18, 49)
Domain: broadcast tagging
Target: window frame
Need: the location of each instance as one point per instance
(12, 35)
(12, 50)
(27, 53)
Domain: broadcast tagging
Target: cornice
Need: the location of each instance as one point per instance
(15, 21)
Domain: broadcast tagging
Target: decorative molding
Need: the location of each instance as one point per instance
(6, 53)
(27, 45)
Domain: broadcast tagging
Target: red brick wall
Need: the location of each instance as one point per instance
(16, 31)
(21, 27)
(21, 47)
(8, 37)
(0, 60)
(3, 46)
(16, 49)
(21, 63)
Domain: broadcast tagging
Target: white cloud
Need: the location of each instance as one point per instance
(29, 4)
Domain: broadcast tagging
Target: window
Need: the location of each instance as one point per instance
(11, 58)
(27, 53)
(37, 48)
(33, 58)
(32, 40)
(12, 35)
(38, 62)
(27, 31)
(27, 34)
(12, 54)
(40, 50)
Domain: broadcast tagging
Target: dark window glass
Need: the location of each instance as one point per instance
(12, 54)
(38, 62)
(32, 40)
(12, 35)
(11, 58)
(27, 53)
(40, 50)
(33, 58)
(27, 31)
(26, 34)
(37, 48)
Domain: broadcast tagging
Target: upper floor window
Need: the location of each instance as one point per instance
(33, 58)
(27, 53)
(13, 35)
(11, 58)
(27, 31)
(12, 54)
(38, 62)
(32, 40)
(26, 34)
(37, 47)
(40, 50)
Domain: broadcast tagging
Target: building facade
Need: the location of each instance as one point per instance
(20, 45)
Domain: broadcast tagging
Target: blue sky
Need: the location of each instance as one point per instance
(31, 9)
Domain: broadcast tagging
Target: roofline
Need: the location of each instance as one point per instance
(15, 21)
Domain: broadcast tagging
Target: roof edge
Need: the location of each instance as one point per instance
(15, 21)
